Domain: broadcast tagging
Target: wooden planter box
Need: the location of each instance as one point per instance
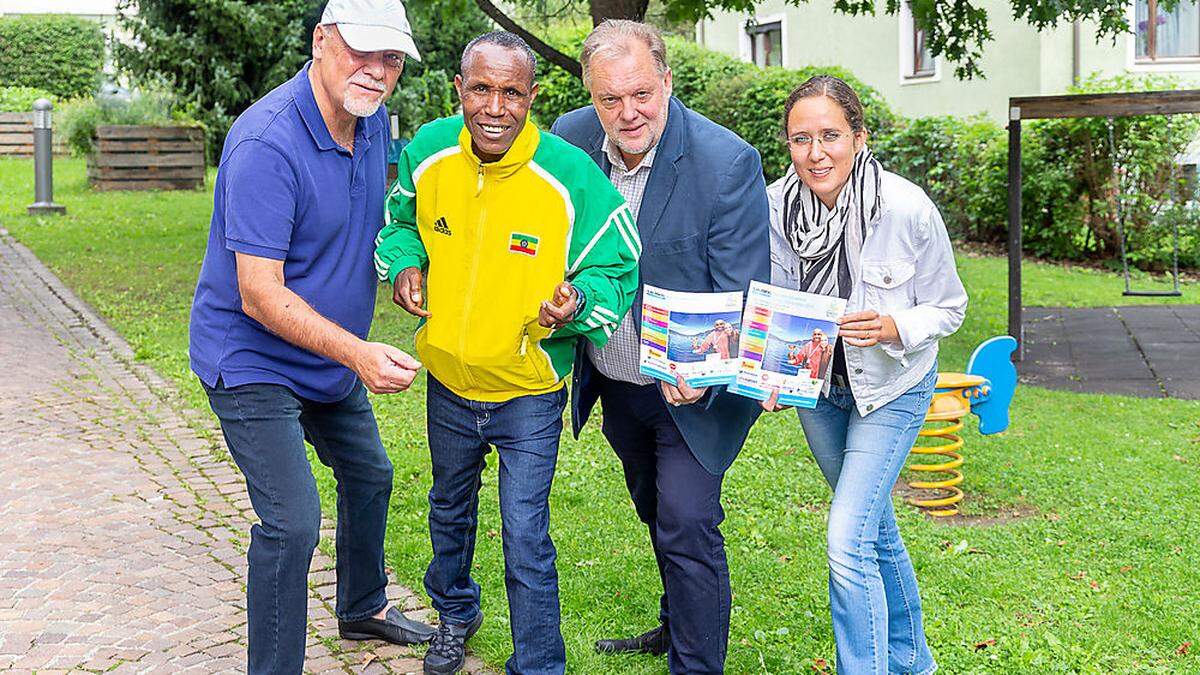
(16, 136)
(147, 158)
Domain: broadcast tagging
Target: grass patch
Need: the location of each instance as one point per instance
(1099, 579)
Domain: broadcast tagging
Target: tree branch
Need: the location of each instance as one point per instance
(546, 51)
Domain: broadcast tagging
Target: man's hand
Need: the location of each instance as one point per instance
(772, 402)
(680, 393)
(383, 368)
(406, 292)
(867, 328)
(559, 310)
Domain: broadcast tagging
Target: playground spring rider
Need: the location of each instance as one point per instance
(986, 389)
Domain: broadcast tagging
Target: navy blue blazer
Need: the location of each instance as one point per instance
(704, 226)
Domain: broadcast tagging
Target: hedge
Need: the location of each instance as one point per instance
(60, 54)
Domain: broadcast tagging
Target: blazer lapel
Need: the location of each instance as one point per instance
(663, 174)
(598, 154)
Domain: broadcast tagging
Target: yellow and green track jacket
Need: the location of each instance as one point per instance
(496, 239)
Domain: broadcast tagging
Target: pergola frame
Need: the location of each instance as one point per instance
(1071, 106)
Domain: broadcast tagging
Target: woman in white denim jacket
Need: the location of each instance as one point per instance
(841, 225)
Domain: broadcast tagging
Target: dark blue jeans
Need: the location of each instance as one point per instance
(265, 427)
(525, 432)
(680, 503)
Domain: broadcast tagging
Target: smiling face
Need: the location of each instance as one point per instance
(496, 89)
(631, 98)
(818, 336)
(356, 82)
(825, 161)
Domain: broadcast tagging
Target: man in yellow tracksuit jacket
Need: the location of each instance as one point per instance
(527, 246)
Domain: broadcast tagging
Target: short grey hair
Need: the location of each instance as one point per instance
(612, 37)
(501, 38)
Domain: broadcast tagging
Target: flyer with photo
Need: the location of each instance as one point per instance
(787, 344)
(694, 335)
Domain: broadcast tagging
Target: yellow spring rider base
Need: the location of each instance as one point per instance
(990, 382)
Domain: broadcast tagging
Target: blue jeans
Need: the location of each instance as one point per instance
(265, 427)
(525, 432)
(872, 587)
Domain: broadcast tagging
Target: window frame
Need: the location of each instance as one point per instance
(1138, 62)
(756, 25)
(910, 42)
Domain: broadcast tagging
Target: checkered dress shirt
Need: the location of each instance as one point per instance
(618, 360)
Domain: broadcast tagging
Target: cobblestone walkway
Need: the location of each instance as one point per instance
(123, 524)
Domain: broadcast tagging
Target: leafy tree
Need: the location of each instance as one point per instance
(955, 29)
(217, 56)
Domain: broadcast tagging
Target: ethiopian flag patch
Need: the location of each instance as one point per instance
(523, 243)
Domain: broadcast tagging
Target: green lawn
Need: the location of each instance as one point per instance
(1098, 577)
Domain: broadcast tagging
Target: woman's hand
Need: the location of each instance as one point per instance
(867, 328)
(772, 402)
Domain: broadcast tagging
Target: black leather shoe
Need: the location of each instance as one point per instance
(394, 627)
(654, 641)
(448, 650)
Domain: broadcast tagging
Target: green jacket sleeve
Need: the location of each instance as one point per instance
(399, 245)
(603, 259)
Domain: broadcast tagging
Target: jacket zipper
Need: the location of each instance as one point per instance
(482, 218)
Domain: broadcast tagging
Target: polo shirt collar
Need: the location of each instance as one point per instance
(306, 103)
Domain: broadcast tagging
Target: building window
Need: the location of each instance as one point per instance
(923, 65)
(1167, 34)
(917, 62)
(766, 43)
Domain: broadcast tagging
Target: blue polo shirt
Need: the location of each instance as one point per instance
(286, 191)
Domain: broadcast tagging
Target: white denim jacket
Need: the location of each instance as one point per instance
(906, 271)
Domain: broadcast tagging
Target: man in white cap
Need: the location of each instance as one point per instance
(279, 325)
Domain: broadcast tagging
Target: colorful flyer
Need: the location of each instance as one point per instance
(787, 344)
(694, 335)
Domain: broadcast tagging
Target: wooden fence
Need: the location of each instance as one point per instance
(16, 136)
(147, 158)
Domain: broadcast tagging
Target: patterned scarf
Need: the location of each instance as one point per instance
(819, 235)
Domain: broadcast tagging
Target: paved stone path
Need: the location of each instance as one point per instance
(1151, 351)
(123, 522)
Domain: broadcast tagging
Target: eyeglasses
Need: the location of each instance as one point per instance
(826, 138)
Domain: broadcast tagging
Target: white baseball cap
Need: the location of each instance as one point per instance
(372, 25)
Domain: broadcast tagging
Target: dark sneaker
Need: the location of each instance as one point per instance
(448, 649)
(395, 628)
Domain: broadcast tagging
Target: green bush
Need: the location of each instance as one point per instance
(560, 92)
(1069, 197)
(79, 118)
(60, 54)
(694, 70)
(422, 99)
(20, 99)
(752, 106)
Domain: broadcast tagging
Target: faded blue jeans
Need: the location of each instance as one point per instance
(872, 587)
(525, 432)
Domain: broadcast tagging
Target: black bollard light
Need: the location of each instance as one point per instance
(43, 161)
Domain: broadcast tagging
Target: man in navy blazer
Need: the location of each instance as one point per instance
(700, 203)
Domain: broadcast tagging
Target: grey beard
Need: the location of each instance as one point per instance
(360, 108)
